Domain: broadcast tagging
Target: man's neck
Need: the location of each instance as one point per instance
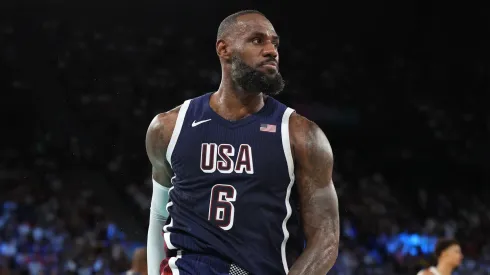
(235, 104)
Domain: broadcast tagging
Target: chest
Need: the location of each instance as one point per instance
(244, 152)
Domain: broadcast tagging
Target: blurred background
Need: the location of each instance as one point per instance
(401, 89)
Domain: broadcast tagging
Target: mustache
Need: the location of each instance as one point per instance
(269, 61)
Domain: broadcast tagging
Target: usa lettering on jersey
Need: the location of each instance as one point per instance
(222, 158)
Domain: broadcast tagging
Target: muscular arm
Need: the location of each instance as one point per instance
(318, 198)
(157, 139)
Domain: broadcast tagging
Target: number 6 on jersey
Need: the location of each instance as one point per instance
(221, 208)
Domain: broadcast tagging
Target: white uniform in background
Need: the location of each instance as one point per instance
(432, 270)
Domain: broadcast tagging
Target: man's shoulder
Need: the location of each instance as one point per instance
(165, 121)
(308, 141)
(160, 132)
(163, 124)
(299, 123)
(304, 130)
(169, 117)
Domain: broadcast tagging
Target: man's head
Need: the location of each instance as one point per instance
(247, 46)
(448, 251)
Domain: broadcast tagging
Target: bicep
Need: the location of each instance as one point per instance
(318, 198)
(156, 148)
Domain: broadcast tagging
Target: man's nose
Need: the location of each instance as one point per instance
(270, 50)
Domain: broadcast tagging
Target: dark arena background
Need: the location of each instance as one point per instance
(401, 88)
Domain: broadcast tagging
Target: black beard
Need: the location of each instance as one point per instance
(254, 81)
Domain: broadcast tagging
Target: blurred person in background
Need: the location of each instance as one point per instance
(449, 257)
(213, 157)
(139, 263)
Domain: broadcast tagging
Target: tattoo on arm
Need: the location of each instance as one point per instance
(318, 198)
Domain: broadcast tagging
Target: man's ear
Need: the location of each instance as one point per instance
(223, 50)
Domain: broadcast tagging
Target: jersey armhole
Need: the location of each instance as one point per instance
(176, 132)
(286, 141)
(286, 145)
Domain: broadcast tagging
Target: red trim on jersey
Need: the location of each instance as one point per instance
(164, 267)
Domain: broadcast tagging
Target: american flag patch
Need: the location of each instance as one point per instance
(268, 128)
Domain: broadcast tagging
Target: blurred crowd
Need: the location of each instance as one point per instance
(48, 225)
(52, 220)
(410, 139)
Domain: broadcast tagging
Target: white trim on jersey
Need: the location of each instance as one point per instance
(172, 263)
(166, 233)
(170, 149)
(286, 145)
(177, 129)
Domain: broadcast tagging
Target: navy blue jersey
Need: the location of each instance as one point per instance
(233, 192)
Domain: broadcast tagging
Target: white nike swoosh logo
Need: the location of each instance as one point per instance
(194, 124)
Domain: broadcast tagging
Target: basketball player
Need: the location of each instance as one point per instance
(243, 179)
(449, 257)
(139, 263)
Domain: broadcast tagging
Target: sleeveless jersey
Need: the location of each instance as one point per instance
(232, 195)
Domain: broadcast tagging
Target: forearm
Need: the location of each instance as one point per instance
(158, 216)
(318, 257)
(317, 196)
(155, 244)
(157, 139)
